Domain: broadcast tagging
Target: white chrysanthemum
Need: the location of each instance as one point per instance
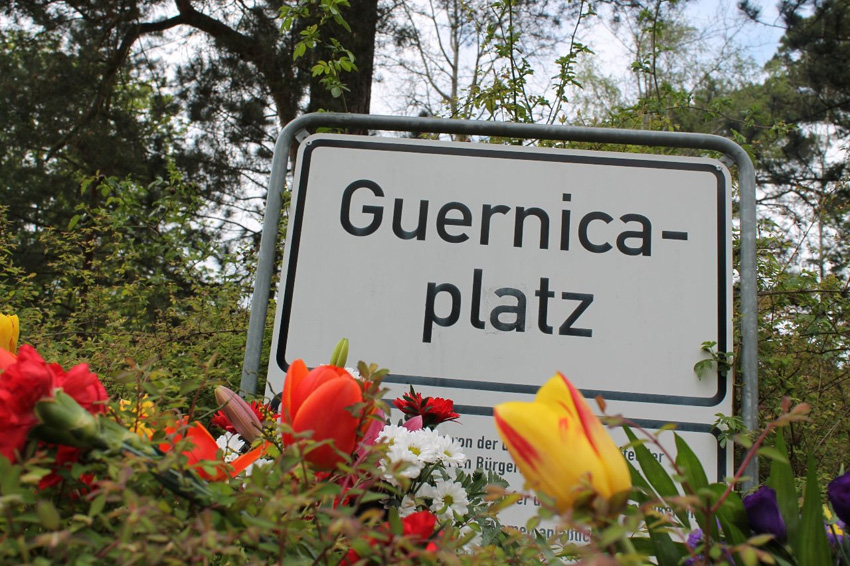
(449, 452)
(424, 444)
(402, 461)
(230, 444)
(473, 542)
(407, 506)
(448, 498)
(354, 372)
(392, 434)
(259, 462)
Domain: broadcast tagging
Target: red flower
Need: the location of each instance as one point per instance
(83, 386)
(433, 410)
(417, 527)
(6, 359)
(318, 400)
(203, 448)
(66, 456)
(30, 379)
(22, 385)
(221, 421)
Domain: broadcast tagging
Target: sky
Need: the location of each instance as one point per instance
(722, 26)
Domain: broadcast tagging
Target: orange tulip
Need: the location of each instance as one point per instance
(317, 400)
(560, 446)
(205, 449)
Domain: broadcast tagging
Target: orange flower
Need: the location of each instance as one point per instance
(318, 400)
(205, 449)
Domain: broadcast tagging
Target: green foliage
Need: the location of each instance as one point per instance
(134, 282)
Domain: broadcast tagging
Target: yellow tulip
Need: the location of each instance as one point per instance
(9, 333)
(560, 446)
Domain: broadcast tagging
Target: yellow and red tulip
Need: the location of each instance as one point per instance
(318, 400)
(560, 446)
(9, 332)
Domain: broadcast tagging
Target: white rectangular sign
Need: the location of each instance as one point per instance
(481, 270)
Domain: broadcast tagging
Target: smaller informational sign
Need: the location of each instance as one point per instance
(484, 450)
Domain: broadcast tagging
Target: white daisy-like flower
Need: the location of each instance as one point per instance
(448, 498)
(392, 434)
(407, 506)
(424, 444)
(473, 542)
(259, 462)
(354, 372)
(230, 444)
(449, 452)
(402, 461)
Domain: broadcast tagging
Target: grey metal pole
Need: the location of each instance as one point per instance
(747, 186)
(265, 264)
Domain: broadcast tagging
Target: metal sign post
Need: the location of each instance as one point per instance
(374, 176)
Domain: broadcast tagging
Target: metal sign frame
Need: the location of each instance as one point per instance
(299, 128)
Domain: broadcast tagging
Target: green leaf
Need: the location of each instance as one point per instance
(300, 50)
(97, 505)
(772, 454)
(655, 473)
(396, 526)
(664, 549)
(47, 514)
(811, 546)
(781, 479)
(690, 465)
(667, 552)
(732, 515)
(74, 221)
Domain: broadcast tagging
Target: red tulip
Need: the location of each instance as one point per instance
(318, 400)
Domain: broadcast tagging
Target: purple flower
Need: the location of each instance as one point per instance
(835, 533)
(695, 542)
(763, 513)
(838, 493)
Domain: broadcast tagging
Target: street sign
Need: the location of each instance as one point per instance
(474, 272)
(485, 268)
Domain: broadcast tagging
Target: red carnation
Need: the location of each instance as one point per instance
(83, 385)
(417, 527)
(30, 379)
(22, 385)
(433, 410)
(66, 457)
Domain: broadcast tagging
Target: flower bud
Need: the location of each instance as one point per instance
(340, 353)
(763, 513)
(838, 493)
(239, 412)
(64, 421)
